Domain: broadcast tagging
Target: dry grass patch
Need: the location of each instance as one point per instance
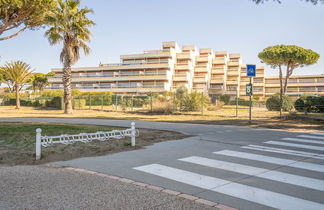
(17, 142)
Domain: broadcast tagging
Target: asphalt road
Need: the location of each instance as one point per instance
(241, 167)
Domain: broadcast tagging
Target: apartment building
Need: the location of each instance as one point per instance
(167, 69)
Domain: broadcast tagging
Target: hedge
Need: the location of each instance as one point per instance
(312, 104)
(273, 103)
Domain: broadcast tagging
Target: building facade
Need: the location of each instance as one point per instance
(203, 70)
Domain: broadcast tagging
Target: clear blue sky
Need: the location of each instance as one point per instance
(129, 26)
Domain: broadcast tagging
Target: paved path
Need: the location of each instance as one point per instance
(241, 167)
(40, 187)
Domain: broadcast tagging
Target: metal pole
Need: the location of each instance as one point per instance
(89, 101)
(151, 98)
(102, 101)
(38, 148)
(250, 107)
(237, 100)
(79, 103)
(132, 102)
(133, 134)
(116, 102)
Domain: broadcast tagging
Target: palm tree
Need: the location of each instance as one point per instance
(70, 25)
(16, 73)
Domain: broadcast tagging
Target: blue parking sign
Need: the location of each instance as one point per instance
(250, 70)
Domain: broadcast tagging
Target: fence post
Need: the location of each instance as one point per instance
(132, 102)
(89, 97)
(102, 102)
(151, 102)
(79, 103)
(38, 143)
(133, 134)
(116, 102)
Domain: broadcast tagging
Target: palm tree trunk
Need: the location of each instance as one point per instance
(17, 96)
(67, 89)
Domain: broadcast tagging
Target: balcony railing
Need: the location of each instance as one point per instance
(116, 75)
(134, 63)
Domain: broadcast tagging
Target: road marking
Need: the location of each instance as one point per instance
(321, 134)
(259, 172)
(295, 145)
(284, 151)
(253, 194)
(273, 160)
(303, 140)
(311, 137)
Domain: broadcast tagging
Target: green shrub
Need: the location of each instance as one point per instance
(224, 98)
(193, 101)
(273, 103)
(78, 103)
(312, 104)
(300, 105)
(56, 103)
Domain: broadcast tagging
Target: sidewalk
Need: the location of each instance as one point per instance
(43, 187)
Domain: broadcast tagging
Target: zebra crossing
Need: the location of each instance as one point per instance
(303, 155)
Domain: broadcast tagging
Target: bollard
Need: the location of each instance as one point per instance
(133, 133)
(38, 143)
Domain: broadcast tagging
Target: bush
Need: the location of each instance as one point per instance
(193, 101)
(165, 107)
(312, 104)
(224, 98)
(300, 105)
(216, 107)
(78, 103)
(273, 103)
(56, 103)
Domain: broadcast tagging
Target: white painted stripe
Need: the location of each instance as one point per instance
(259, 172)
(284, 151)
(253, 194)
(311, 137)
(303, 140)
(273, 160)
(320, 134)
(295, 145)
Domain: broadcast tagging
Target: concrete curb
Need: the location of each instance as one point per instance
(152, 187)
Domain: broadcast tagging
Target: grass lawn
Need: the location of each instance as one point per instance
(17, 142)
(225, 116)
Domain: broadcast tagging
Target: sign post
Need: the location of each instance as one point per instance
(250, 72)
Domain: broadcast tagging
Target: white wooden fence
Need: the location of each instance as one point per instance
(46, 141)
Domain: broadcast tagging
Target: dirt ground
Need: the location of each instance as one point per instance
(20, 150)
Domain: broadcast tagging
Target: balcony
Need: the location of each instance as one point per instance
(116, 77)
(220, 70)
(217, 81)
(184, 56)
(233, 63)
(206, 50)
(221, 53)
(184, 66)
(156, 54)
(181, 77)
(232, 82)
(201, 69)
(219, 61)
(235, 55)
(202, 59)
(232, 72)
(200, 79)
